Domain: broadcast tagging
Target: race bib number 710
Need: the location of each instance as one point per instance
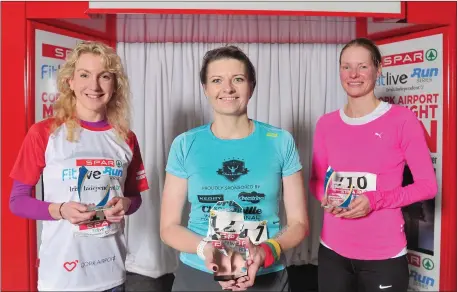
(360, 181)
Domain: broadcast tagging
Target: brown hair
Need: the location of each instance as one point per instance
(228, 52)
(367, 44)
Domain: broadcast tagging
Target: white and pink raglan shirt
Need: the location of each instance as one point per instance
(370, 152)
(87, 257)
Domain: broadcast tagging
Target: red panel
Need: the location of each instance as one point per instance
(448, 266)
(111, 29)
(76, 28)
(57, 9)
(402, 31)
(15, 265)
(361, 27)
(242, 12)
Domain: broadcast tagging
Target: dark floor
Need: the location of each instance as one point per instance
(301, 279)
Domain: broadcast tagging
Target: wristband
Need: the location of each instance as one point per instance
(269, 258)
(60, 211)
(276, 246)
(201, 247)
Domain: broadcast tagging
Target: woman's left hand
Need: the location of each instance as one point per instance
(120, 206)
(359, 207)
(254, 262)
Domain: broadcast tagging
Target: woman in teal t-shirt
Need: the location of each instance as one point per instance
(235, 159)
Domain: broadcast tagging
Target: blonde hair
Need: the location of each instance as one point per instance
(117, 109)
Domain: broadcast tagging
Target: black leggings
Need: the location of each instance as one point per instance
(340, 274)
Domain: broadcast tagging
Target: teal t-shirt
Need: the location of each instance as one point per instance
(248, 171)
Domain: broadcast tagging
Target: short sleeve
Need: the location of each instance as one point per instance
(31, 158)
(136, 180)
(290, 154)
(176, 163)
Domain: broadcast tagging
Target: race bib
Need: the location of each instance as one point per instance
(343, 187)
(256, 231)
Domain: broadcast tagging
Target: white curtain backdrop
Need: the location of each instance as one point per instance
(296, 84)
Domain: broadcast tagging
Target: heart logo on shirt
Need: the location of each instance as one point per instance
(70, 266)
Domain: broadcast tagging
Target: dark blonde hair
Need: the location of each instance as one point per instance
(117, 109)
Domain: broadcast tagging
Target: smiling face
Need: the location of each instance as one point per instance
(358, 73)
(227, 87)
(93, 87)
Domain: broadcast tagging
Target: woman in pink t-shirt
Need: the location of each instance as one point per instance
(367, 144)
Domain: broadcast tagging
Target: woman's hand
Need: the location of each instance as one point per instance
(330, 209)
(120, 206)
(219, 263)
(254, 262)
(74, 212)
(359, 207)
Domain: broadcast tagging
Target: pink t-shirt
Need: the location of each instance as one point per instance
(378, 149)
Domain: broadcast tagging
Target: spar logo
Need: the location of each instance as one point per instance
(409, 58)
(403, 59)
(54, 52)
(414, 260)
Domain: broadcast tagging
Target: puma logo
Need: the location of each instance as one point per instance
(378, 134)
(70, 266)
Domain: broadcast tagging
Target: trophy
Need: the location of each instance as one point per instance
(336, 194)
(227, 233)
(93, 189)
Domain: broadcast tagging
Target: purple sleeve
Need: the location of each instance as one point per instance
(136, 201)
(22, 203)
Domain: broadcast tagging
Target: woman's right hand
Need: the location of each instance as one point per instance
(219, 264)
(74, 212)
(330, 209)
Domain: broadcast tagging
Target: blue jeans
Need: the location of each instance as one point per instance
(120, 288)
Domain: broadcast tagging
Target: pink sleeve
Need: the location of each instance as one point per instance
(417, 156)
(319, 163)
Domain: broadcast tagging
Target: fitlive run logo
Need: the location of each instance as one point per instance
(409, 58)
(71, 266)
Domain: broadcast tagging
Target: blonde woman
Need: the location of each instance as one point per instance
(87, 156)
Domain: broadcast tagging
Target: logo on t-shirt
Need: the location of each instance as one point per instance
(70, 266)
(233, 169)
(252, 197)
(210, 198)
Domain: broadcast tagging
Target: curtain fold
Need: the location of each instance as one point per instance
(207, 28)
(296, 84)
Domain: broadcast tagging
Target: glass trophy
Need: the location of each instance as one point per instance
(337, 195)
(227, 232)
(94, 189)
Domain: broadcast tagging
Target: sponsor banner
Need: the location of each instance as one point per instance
(412, 77)
(51, 51)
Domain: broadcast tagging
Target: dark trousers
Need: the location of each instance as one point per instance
(339, 274)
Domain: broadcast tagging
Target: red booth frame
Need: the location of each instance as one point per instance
(19, 19)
